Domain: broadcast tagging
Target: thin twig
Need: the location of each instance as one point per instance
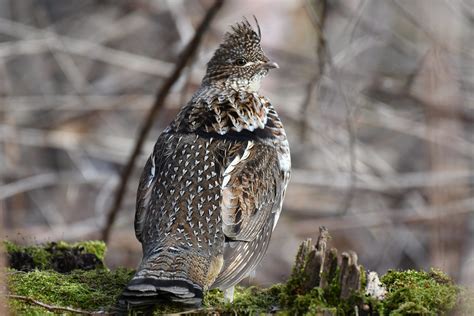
(310, 88)
(53, 308)
(382, 183)
(43, 180)
(35, 41)
(415, 21)
(464, 114)
(396, 42)
(386, 218)
(352, 138)
(110, 148)
(324, 57)
(319, 20)
(160, 100)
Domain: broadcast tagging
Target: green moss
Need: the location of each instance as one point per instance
(295, 299)
(303, 303)
(419, 292)
(409, 292)
(170, 308)
(95, 247)
(214, 298)
(333, 292)
(363, 277)
(247, 301)
(89, 290)
(254, 300)
(40, 256)
(59, 256)
(411, 308)
(18, 307)
(295, 284)
(10, 246)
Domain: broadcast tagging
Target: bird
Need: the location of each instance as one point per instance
(212, 189)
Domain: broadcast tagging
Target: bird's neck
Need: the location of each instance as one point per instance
(220, 110)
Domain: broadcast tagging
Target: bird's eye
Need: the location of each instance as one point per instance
(240, 62)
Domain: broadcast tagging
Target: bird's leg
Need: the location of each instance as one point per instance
(252, 275)
(229, 294)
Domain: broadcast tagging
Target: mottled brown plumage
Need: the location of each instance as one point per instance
(212, 190)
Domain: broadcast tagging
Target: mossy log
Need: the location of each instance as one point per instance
(321, 283)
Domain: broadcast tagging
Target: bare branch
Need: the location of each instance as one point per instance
(34, 41)
(53, 308)
(382, 183)
(319, 19)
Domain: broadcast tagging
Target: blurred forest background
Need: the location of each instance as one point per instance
(377, 98)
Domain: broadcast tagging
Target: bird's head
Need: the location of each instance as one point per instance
(239, 63)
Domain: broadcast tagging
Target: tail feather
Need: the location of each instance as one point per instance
(166, 277)
(148, 291)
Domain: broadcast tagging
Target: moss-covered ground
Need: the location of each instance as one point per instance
(91, 290)
(58, 256)
(408, 292)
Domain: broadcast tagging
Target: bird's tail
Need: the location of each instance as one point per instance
(161, 279)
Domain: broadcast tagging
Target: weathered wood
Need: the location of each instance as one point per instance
(350, 278)
(340, 293)
(312, 270)
(329, 270)
(323, 239)
(303, 251)
(319, 266)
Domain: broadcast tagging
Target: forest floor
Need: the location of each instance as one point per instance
(62, 278)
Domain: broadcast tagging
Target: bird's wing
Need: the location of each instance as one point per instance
(241, 257)
(145, 187)
(251, 187)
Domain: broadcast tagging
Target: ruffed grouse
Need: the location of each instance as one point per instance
(212, 190)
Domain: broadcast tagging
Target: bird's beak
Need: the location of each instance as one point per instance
(270, 65)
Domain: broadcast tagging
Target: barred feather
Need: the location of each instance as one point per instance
(212, 190)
